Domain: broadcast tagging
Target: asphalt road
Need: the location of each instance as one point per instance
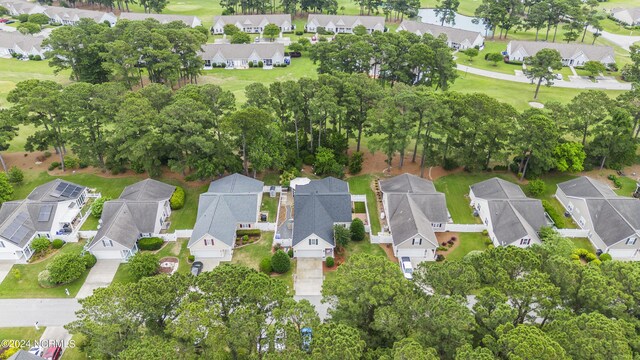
(47, 312)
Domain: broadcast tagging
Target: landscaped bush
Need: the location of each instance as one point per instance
(605, 257)
(23, 17)
(443, 244)
(98, 205)
(71, 162)
(54, 165)
(191, 258)
(583, 254)
(44, 279)
(290, 252)
(439, 257)
(441, 248)
(66, 268)
(265, 265)
(89, 260)
(177, 199)
(250, 232)
(450, 242)
(150, 243)
(536, 187)
(485, 232)
(309, 159)
(260, 64)
(355, 162)
(499, 168)
(280, 262)
(449, 164)
(47, 154)
(616, 182)
(488, 241)
(40, 244)
(357, 230)
(15, 175)
(299, 32)
(57, 243)
(553, 214)
(330, 262)
(144, 264)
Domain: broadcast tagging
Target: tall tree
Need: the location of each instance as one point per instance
(247, 126)
(446, 11)
(541, 67)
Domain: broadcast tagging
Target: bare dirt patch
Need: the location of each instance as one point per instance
(376, 163)
(444, 237)
(168, 265)
(388, 249)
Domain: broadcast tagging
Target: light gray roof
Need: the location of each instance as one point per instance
(349, 21)
(148, 189)
(626, 15)
(72, 13)
(17, 225)
(407, 183)
(253, 20)
(23, 355)
(25, 42)
(236, 184)
(496, 188)
(567, 51)
(162, 18)
(453, 34)
(608, 223)
(56, 190)
(318, 206)
(241, 51)
(512, 218)
(586, 187)
(230, 201)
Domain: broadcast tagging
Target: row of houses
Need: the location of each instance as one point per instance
(630, 16)
(24, 45)
(573, 54)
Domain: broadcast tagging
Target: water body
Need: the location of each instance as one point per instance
(461, 21)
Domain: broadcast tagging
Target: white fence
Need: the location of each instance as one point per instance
(466, 227)
(266, 226)
(573, 233)
(363, 199)
(87, 234)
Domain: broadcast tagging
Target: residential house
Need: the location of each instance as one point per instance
(574, 54)
(238, 56)
(318, 206)
(231, 203)
(189, 20)
(71, 16)
(141, 211)
(510, 217)
(343, 24)
(612, 221)
(415, 211)
(627, 16)
(19, 7)
(24, 355)
(252, 23)
(457, 39)
(52, 210)
(17, 43)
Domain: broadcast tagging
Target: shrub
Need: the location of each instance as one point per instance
(309, 159)
(44, 279)
(449, 164)
(499, 168)
(144, 264)
(245, 238)
(23, 17)
(357, 230)
(553, 214)
(330, 262)
(485, 232)
(47, 154)
(16, 274)
(16, 176)
(443, 244)
(299, 32)
(177, 199)
(290, 252)
(439, 257)
(57, 243)
(450, 242)
(260, 64)
(536, 187)
(488, 241)
(355, 162)
(89, 260)
(150, 243)
(590, 257)
(251, 64)
(250, 232)
(40, 244)
(441, 248)
(54, 165)
(605, 257)
(98, 205)
(66, 268)
(191, 258)
(265, 265)
(280, 262)
(71, 162)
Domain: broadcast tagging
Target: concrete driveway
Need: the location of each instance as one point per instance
(101, 275)
(5, 268)
(56, 336)
(308, 278)
(208, 264)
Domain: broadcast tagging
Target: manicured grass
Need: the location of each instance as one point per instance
(468, 242)
(174, 248)
(363, 247)
(361, 184)
(21, 333)
(28, 287)
(74, 353)
(185, 218)
(271, 178)
(583, 243)
(613, 27)
(628, 186)
(252, 254)
(270, 205)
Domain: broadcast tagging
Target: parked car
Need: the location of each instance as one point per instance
(36, 350)
(295, 54)
(307, 336)
(407, 269)
(2, 21)
(196, 268)
(53, 353)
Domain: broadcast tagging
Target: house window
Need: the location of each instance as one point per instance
(268, 62)
(207, 63)
(436, 225)
(525, 241)
(581, 221)
(245, 226)
(208, 242)
(1, 244)
(107, 243)
(631, 241)
(486, 221)
(570, 206)
(313, 241)
(416, 241)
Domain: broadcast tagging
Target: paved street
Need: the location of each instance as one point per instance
(624, 41)
(101, 275)
(47, 312)
(308, 277)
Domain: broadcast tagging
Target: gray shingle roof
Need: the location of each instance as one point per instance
(609, 224)
(567, 51)
(56, 190)
(254, 20)
(148, 189)
(346, 20)
(162, 18)
(23, 355)
(407, 183)
(586, 187)
(24, 42)
(453, 34)
(318, 206)
(496, 188)
(71, 13)
(241, 51)
(512, 218)
(230, 201)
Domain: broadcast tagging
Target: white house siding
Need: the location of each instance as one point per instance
(108, 252)
(532, 240)
(303, 249)
(426, 249)
(577, 208)
(219, 249)
(625, 254)
(10, 251)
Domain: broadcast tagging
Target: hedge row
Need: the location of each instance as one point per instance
(150, 243)
(248, 232)
(177, 199)
(558, 219)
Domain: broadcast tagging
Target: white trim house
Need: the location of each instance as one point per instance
(17, 43)
(18, 7)
(189, 20)
(627, 16)
(253, 24)
(457, 39)
(238, 56)
(575, 54)
(71, 16)
(343, 24)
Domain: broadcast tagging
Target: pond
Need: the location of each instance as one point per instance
(461, 21)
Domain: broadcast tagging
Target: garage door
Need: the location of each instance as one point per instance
(623, 253)
(108, 254)
(208, 253)
(411, 252)
(319, 253)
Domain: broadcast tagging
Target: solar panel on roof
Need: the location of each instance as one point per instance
(16, 230)
(45, 213)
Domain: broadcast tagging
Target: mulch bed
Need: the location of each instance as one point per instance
(445, 236)
(338, 259)
(168, 269)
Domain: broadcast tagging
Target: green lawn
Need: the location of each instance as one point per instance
(74, 353)
(251, 255)
(173, 248)
(21, 333)
(358, 247)
(185, 218)
(468, 243)
(28, 287)
(270, 205)
(271, 178)
(13, 71)
(361, 184)
(628, 186)
(583, 243)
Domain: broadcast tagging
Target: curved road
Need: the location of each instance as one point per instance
(624, 41)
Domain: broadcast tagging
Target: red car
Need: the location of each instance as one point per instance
(3, 20)
(53, 353)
